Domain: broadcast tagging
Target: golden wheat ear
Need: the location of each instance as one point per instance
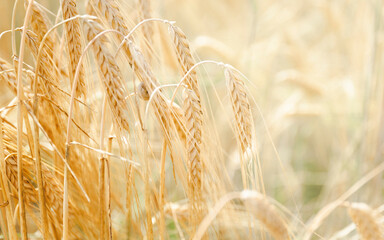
(193, 117)
(184, 55)
(74, 44)
(241, 108)
(267, 214)
(366, 221)
(110, 76)
(109, 13)
(40, 24)
(7, 75)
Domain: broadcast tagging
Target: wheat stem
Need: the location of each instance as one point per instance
(102, 161)
(162, 190)
(23, 223)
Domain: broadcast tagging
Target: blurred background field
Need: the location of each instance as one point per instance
(316, 79)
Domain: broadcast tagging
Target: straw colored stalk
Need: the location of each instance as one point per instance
(162, 112)
(74, 45)
(366, 221)
(20, 118)
(40, 25)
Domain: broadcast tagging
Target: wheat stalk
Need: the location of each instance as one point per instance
(40, 25)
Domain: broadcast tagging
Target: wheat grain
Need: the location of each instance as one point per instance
(142, 91)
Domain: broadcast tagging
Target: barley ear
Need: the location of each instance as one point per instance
(74, 44)
(241, 108)
(366, 221)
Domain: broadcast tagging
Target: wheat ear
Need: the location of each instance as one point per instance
(4, 185)
(241, 108)
(266, 213)
(185, 58)
(7, 75)
(108, 11)
(74, 45)
(366, 221)
(193, 116)
(111, 76)
(258, 204)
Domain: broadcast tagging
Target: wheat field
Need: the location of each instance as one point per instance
(141, 119)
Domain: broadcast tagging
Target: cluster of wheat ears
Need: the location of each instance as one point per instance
(105, 146)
